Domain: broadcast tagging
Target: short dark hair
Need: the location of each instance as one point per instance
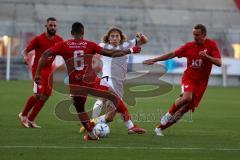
(77, 28)
(201, 27)
(51, 19)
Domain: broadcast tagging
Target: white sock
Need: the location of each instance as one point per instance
(165, 119)
(129, 124)
(168, 114)
(101, 119)
(97, 108)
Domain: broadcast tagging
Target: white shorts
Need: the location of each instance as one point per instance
(116, 85)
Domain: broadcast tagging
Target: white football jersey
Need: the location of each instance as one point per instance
(116, 68)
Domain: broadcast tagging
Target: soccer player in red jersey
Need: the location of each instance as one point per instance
(40, 43)
(201, 54)
(77, 54)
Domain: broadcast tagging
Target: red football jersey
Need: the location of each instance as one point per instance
(78, 55)
(41, 43)
(198, 67)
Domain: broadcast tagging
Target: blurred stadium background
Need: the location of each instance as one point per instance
(167, 23)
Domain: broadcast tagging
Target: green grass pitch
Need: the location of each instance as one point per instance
(213, 133)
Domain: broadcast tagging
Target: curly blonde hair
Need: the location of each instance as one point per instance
(112, 29)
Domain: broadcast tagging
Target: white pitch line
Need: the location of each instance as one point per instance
(123, 147)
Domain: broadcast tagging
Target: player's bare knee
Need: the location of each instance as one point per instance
(110, 115)
(109, 119)
(37, 96)
(44, 97)
(186, 99)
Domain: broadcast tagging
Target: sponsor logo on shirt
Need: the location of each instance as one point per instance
(77, 44)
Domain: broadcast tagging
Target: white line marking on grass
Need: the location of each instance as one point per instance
(120, 147)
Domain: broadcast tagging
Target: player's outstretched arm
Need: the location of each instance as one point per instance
(160, 58)
(41, 64)
(119, 53)
(141, 38)
(215, 61)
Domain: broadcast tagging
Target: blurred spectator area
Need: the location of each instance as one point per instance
(167, 23)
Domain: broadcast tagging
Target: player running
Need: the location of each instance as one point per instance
(114, 71)
(200, 54)
(77, 54)
(41, 92)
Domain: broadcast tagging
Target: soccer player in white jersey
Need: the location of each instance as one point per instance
(114, 71)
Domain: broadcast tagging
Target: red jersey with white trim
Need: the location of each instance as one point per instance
(41, 43)
(198, 67)
(78, 55)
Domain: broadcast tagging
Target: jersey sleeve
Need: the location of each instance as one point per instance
(133, 41)
(101, 44)
(58, 49)
(32, 45)
(130, 43)
(215, 51)
(96, 48)
(181, 52)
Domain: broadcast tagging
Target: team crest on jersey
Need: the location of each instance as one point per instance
(204, 51)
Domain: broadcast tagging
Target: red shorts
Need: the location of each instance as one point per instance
(197, 89)
(97, 88)
(46, 83)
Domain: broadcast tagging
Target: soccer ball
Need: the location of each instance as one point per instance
(101, 130)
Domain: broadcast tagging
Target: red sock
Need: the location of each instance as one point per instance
(85, 120)
(123, 110)
(173, 109)
(37, 107)
(30, 103)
